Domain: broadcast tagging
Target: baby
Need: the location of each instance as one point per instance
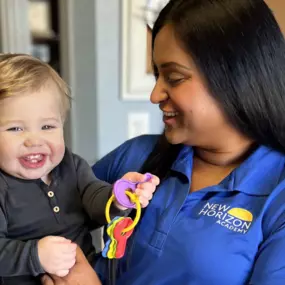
(49, 197)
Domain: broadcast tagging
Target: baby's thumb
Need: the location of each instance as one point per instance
(61, 273)
(138, 177)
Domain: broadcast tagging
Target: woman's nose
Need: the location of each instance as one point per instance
(158, 93)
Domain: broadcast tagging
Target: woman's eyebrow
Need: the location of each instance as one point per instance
(174, 64)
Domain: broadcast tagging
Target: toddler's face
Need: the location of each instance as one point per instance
(31, 133)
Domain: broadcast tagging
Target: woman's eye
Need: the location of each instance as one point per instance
(48, 127)
(14, 129)
(174, 78)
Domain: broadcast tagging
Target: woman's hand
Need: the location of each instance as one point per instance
(80, 274)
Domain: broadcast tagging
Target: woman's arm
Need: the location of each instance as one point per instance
(269, 266)
(80, 274)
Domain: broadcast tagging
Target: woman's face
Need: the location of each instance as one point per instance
(190, 114)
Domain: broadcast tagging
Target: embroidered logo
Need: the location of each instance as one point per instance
(235, 219)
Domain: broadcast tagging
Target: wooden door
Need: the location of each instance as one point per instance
(278, 8)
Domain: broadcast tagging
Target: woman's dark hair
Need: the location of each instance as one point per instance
(239, 49)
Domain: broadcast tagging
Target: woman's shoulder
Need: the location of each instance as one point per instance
(273, 177)
(127, 157)
(142, 141)
(138, 147)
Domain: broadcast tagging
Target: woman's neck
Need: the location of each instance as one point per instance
(227, 157)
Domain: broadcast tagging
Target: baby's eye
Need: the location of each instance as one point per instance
(48, 127)
(15, 129)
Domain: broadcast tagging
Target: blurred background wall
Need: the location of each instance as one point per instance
(102, 49)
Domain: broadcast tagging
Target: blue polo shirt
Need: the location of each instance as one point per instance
(232, 233)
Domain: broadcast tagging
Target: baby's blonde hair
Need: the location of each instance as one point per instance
(20, 73)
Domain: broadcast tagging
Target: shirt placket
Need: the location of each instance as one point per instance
(49, 191)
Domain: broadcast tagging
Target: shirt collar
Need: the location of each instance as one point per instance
(259, 174)
(12, 181)
(184, 161)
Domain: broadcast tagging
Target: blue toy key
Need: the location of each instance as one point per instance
(110, 242)
(113, 244)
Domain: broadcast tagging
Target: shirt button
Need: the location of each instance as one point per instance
(56, 209)
(50, 194)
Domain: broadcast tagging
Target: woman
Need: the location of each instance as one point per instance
(218, 216)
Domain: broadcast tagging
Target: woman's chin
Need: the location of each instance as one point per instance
(173, 136)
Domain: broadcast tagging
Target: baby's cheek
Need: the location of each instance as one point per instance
(61, 149)
(58, 152)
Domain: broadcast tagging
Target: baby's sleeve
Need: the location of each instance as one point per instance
(94, 193)
(16, 257)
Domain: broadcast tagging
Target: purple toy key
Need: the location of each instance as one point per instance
(122, 185)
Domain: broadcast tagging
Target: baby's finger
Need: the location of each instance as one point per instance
(68, 263)
(147, 195)
(155, 180)
(62, 273)
(144, 193)
(69, 256)
(64, 265)
(58, 239)
(67, 247)
(134, 177)
(144, 202)
(147, 186)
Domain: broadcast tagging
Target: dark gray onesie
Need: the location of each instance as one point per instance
(71, 206)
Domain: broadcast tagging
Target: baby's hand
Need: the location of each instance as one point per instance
(144, 190)
(56, 255)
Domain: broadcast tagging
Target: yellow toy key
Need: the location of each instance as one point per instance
(109, 232)
(113, 242)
